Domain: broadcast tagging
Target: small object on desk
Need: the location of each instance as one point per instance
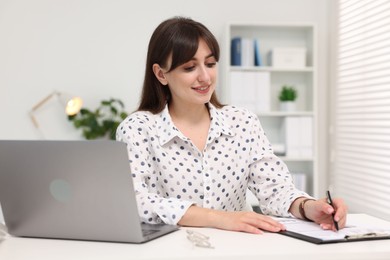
(368, 235)
(3, 231)
(331, 203)
(198, 239)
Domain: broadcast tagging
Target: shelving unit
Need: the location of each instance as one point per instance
(274, 120)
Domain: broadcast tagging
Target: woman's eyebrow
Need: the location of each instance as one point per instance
(207, 56)
(210, 55)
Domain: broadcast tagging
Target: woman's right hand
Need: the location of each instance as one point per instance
(243, 221)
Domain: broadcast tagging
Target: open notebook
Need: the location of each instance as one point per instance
(354, 231)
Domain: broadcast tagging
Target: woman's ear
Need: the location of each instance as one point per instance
(159, 73)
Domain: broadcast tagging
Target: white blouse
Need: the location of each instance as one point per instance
(171, 174)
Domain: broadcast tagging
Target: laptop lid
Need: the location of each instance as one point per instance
(70, 190)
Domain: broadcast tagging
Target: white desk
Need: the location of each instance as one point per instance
(228, 246)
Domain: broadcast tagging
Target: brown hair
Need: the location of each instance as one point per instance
(178, 37)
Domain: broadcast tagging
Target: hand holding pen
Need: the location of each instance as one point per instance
(335, 213)
(330, 216)
(336, 224)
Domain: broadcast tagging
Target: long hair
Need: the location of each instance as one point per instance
(178, 37)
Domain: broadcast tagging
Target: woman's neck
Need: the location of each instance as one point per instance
(189, 114)
(193, 122)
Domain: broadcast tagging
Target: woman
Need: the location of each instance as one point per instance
(192, 158)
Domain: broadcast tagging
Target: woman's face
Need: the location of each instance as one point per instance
(193, 82)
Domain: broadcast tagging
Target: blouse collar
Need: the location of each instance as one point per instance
(167, 130)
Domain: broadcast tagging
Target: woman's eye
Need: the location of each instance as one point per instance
(189, 68)
(211, 64)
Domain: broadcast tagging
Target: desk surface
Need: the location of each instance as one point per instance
(228, 245)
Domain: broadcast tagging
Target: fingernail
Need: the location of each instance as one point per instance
(330, 210)
(259, 231)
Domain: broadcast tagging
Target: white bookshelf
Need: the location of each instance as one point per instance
(269, 36)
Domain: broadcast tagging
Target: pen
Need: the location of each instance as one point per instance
(331, 203)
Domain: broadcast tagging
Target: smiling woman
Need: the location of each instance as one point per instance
(190, 85)
(164, 56)
(198, 74)
(192, 158)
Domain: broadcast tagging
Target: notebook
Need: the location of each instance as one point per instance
(79, 190)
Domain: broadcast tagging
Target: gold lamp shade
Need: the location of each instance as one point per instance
(71, 104)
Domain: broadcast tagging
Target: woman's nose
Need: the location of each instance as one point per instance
(204, 75)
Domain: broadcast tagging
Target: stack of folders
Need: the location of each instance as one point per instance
(251, 89)
(298, 136)
(245, 52)
(299, 180)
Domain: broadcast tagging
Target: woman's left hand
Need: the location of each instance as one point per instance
(321, 213)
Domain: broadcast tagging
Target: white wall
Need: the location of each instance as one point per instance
(96, 48)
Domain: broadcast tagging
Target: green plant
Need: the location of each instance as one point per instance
(102, 122)
(288, 93)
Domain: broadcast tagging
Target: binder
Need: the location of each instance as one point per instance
(242, 52)
(236, 52)
(299, 179)
(258, 59)
(298, 136)
(251, 89)
(356, 238)
(247, 52)
(313, 233)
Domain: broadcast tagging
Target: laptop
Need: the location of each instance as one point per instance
(79, 190)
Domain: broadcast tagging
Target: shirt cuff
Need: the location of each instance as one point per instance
(171, 211)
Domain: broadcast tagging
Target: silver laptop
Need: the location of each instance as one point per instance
(71, 190)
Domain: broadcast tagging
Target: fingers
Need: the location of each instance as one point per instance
(337, 213)
(341, 211)
(252, 222)
(249, 229)
(325, 207)
(266, 223)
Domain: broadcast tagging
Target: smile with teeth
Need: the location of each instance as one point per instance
(201, 88)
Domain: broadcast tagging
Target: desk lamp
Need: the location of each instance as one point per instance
(71, 104)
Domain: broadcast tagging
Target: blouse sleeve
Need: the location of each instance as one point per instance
(269, 178)
(152, 208)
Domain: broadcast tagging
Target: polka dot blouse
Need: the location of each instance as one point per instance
(171, 174)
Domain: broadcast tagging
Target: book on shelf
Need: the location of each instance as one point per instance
(243, 52)
(258, 58)
(236, 51)
(248, 52)
(251, 89)
(298, 136)
(279, 149)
